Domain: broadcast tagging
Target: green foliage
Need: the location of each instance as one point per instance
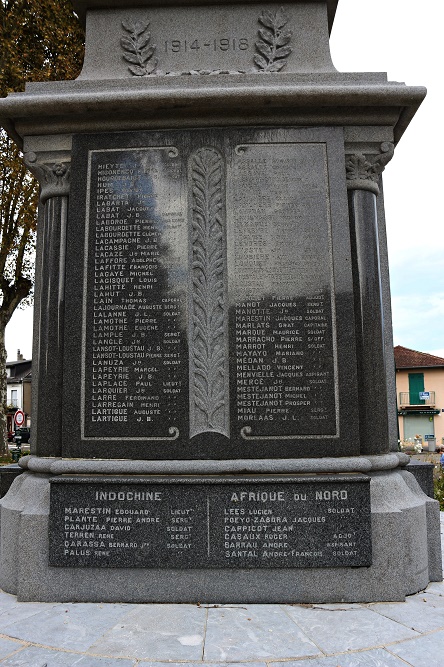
(40, 40)
(438, 484)
(18, 203)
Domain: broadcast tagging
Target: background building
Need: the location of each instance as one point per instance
(420, 391)
(18, 393)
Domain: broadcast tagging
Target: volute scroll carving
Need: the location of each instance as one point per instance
(363, 171)
(54, 178)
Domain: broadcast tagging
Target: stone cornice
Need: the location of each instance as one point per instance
(83, 106)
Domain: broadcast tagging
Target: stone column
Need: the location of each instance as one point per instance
(363, 173)
(47, 368)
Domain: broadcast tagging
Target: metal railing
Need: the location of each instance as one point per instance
(414, 398)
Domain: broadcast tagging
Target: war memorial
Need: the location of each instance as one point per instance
(214, 412)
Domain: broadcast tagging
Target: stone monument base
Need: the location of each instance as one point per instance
(405, 533)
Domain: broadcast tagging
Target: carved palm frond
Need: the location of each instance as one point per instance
(272, 46)
(208, 401)
(137, 48)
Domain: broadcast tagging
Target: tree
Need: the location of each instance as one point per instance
(40, 40)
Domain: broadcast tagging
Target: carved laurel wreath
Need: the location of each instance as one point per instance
(272, 47)
(137, 48)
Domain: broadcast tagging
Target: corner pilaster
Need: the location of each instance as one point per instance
(363, 171)
(54, 180)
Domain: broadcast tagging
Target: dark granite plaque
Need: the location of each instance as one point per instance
(209, 297)
(320, 521)
(281, 281)
(135, 361)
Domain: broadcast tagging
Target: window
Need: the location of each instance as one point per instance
(14, 400)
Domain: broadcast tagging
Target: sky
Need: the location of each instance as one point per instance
(403, 38)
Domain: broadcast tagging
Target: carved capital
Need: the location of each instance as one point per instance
(363, 171)
(54, 178)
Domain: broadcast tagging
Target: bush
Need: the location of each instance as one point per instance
(438, 484)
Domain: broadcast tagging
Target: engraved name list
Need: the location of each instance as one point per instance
(135, 352)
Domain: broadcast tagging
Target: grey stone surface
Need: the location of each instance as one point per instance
(125, 89)
(7, 476)
(172, 632)
(433, 521)
(13, 612)
(423, 612)
(76, 627)
(7, 646)
(207, 39)
(425, 651)
(435, 589)
(67, 107)
(376, 658)
(349, 629)
(40, 657)
(81, 7)
(125, 467)
(423, 473)
(237, 522)
(199, 664)
(244, 633)
(12, 506)
(49, 317)
(369, 316)
(398, 510)
(251, 630)
(392, 412)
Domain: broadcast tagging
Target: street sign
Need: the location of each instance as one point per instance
(19, 418)
(424, 395)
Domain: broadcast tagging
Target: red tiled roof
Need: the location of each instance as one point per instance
(405, 358)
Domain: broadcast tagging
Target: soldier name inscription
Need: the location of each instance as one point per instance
(211, 264)
(321, 521)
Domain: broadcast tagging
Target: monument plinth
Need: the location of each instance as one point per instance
(212, 292)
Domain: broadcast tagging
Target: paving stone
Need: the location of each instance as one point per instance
(157, 632)
(254, 632)
(375, 658)
(72, 626)
(422, 612)
(8, 646)
(203, 664)
(340, 630)
(40, 657)
(12, 611)
(437, 588)
(425, 651)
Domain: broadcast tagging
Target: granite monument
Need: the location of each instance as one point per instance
(212, 294)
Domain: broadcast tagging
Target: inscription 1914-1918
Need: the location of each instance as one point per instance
(321, 521)
(215, 296)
